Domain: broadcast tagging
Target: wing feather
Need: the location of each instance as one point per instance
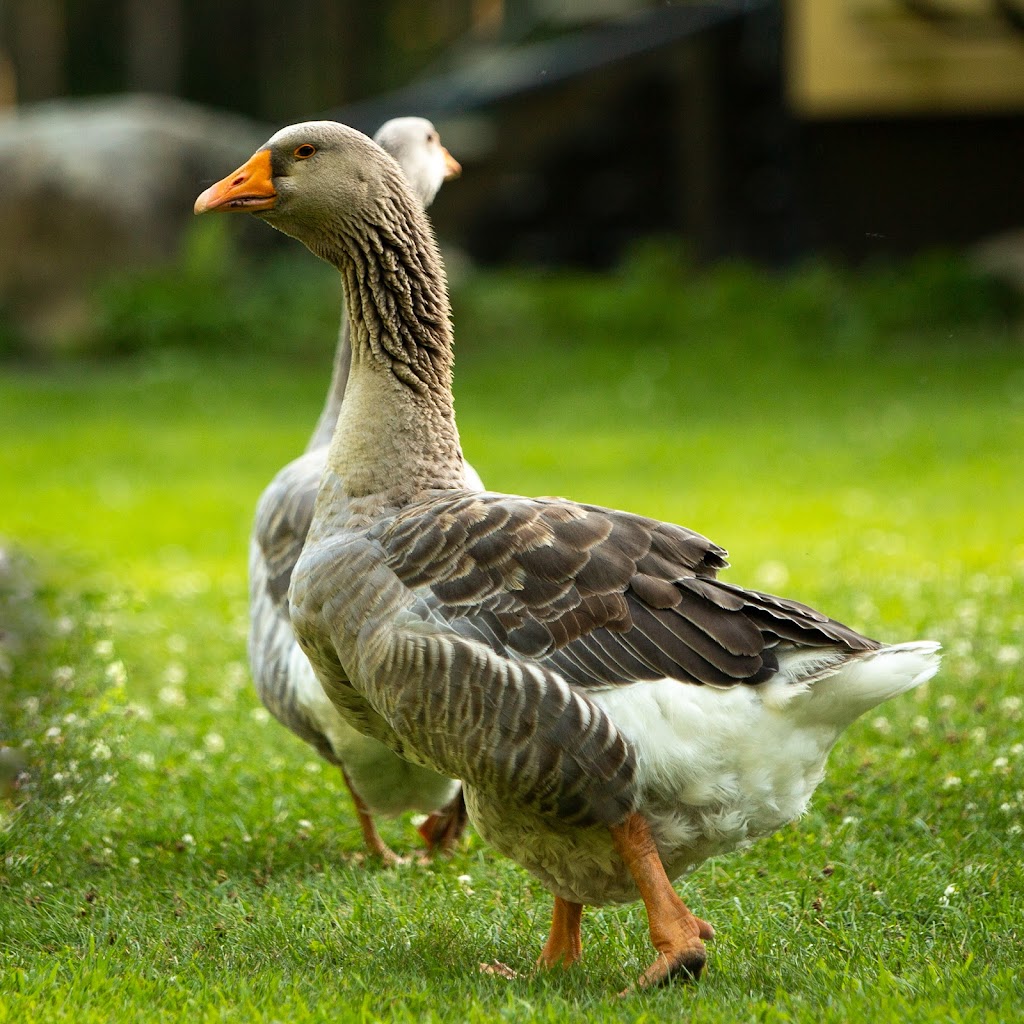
(603, 597)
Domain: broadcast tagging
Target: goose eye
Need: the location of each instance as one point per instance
(305, 151)
(431, 136)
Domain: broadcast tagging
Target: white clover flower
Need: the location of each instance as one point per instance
(236, 674)
(947, 702)
(172, 696)
(53, 733)
(31, 705)
(63, 675)
(969, 668)
(103, 648)
(979, 734)
(214, 742)
(175, 673)
(117, 673)
(65, 624)
(100, 751)
(772, 575)
(882, 724)
(261, 715)
(951, 782)
(304, 823)
(1000, 764)
(146, 760)
(1010, 707)
(188, 839)
(920, 724)
(1008, 654)
(312, 767)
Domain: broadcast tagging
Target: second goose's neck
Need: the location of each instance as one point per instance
(396, 434)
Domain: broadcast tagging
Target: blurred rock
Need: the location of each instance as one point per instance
(1002, 256)
(94, 186)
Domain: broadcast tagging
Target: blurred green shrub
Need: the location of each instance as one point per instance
(216, 297)
(657, 295)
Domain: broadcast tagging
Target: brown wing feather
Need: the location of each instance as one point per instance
(601, 596)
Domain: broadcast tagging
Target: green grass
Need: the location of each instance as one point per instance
(171, 855)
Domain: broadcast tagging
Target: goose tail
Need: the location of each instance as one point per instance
(837, 693)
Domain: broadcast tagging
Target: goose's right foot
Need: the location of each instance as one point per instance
(675, 932)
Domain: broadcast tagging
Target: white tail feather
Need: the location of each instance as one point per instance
(836, 696)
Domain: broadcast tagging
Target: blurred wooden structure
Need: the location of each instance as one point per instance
(760, 128)
(856, 58)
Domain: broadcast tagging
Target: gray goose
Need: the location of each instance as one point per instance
(616, 712)
(378, 780)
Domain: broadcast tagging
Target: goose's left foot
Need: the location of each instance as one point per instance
(564, 945)
(443, 829)
(676, 934)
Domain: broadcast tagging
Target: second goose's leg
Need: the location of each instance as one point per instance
(371, 837)
(675, 932)
(443, 829)
(564, 945)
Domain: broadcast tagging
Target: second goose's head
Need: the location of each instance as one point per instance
(416, 145)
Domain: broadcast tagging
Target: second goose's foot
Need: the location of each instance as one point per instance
(675, 932)
(443, 829)
(375, 846)
(564, 945)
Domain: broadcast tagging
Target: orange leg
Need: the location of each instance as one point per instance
(564, 945)
(675, 932)
(443, 829)
(374, 844)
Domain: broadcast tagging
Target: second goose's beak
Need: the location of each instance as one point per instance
(249, 188)
(452, 166)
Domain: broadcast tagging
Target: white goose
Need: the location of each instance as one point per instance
(379, 781)
(616, 712)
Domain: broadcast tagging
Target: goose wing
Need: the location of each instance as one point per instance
(600, 596)
(283, 517)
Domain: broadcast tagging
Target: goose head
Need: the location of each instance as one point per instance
(415, 143)
(321, 173)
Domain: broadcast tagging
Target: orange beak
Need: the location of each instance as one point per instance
(249, 188)
(452, 166)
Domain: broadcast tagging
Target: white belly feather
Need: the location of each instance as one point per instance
(716, 768)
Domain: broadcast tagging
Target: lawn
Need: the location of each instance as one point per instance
(170, 854)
